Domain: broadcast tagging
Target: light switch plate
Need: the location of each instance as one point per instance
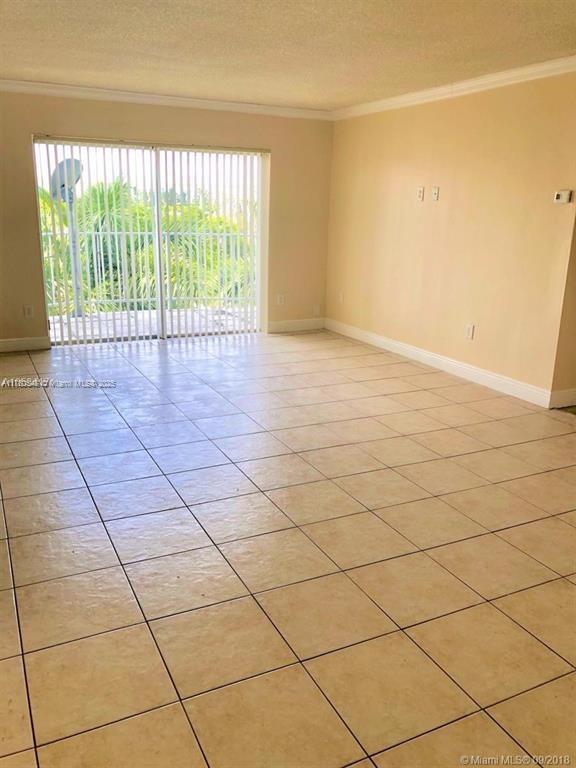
(563, 196)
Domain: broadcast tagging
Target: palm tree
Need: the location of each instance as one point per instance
(203, 252)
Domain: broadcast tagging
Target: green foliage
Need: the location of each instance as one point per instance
(205, 255)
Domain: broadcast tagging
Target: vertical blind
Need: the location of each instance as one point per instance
(145, 242)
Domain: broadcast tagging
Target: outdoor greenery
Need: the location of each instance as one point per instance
(205, 254)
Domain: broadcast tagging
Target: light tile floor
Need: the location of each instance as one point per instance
(286, 551)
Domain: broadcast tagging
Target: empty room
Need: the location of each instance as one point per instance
(287, 383)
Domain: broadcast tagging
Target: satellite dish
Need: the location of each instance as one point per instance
(62, 182)
(65, 176)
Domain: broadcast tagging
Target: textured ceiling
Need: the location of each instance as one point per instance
(323, 54)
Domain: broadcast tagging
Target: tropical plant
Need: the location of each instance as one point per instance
(206, 257)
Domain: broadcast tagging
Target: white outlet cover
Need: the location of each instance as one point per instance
(563, 196)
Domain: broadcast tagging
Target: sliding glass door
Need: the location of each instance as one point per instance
(147, 242)
(210, 240)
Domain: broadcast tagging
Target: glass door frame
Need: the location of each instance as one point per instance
(261, 263)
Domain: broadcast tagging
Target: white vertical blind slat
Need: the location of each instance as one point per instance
(167, 241)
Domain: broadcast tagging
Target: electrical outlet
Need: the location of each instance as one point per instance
(420, 194)
(280, 300)
(316, 310)
(436, 193)
(341, 297)
(28, 311)
(469, 331)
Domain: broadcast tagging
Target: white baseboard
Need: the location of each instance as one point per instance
(286, 326)
(561, 398)
(25, 344)
(514, 387)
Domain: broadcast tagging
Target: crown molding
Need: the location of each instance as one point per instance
(462, 88)
(133, 97)
(451, 91)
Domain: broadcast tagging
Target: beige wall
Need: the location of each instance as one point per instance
(492, 251)
(299, 190)
(565, 368)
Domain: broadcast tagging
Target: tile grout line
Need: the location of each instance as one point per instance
(442, 497)
(433, 660)
(437, 664)
(230, 565)
(146, 622)
(21, 642)
(298, 661)
(389, 617)
(235, 464)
